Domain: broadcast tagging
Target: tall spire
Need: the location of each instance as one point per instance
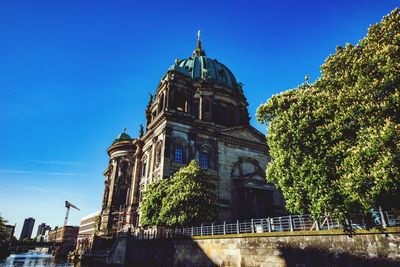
(198, 51)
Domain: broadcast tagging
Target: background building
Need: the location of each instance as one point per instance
(10, 230)
(27, 228)
(65, 234)
(42, 228)
(87, 230)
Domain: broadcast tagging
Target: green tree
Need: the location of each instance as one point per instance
(186, 198)
(335, 144)
(3, 230)
(152, 202)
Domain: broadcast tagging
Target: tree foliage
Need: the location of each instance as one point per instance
(335, 144)
(152, 202)
(187, 198)
(3, 230)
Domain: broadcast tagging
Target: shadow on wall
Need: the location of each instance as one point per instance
(166, 252)
(258, 252)
(310, 257)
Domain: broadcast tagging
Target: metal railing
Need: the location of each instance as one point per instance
(392, 220)
(288, 223)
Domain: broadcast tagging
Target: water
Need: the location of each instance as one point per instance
(35, 259)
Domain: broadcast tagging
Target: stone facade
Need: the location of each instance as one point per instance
(300, 249)
(199, 112)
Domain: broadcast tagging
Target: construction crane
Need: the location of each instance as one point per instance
(68, 205)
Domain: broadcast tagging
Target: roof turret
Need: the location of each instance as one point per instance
(123, 136)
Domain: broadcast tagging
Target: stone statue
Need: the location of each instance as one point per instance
(141, 132)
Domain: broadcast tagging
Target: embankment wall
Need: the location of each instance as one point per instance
(301, 249)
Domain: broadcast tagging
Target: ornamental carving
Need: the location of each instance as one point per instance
(247, 168)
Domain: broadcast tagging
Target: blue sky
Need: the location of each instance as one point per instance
(74, 73)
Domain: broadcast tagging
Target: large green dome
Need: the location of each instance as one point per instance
(200, 67)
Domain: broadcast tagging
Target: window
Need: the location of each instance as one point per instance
(223, 115)
(144, 165)
(161, 104)
(158, 155)
(204, 160)
(178, 154)
(180, 101)
(122, 197)
(195, 109)
(206, 105)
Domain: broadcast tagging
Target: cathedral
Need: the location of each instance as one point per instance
(199, 112)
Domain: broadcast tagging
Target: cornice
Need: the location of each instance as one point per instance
(120, 145)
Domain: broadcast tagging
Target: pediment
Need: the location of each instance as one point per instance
(247, 133)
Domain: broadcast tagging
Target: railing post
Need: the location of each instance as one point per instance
(383, 219)
(212, 229)
(316, 225)
(252, 225)
(269, 224)
(237, 226)
(327, 223)
(192, 231)
(280, 224)
(348, 222)
(301, 220)
(201, 229)
(224, 228)
(290, 223)
(262, 225)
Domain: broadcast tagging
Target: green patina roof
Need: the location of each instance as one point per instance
(123, 136)
(199, 67)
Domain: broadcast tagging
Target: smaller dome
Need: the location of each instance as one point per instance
(123, 136)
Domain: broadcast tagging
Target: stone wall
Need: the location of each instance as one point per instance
(301, 249)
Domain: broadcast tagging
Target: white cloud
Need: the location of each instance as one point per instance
(45, 173)
(55, 162)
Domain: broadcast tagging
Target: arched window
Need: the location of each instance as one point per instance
(205, 157)
(179, 151)
(204, 160)
(178, 154)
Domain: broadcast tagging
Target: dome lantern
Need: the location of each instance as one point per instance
(199, 51)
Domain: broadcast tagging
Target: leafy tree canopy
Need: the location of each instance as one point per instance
(152, 202)
(3, 231)
(186, 198)
(335, 144)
